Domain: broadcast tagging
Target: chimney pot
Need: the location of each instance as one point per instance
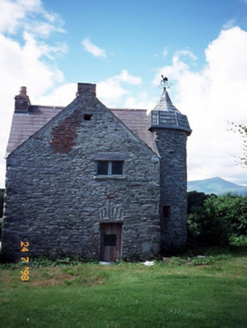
(22, 101)
(23, 90)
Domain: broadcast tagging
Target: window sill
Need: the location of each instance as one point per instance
(109, 177)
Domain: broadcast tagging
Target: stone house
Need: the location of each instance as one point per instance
(96, 182)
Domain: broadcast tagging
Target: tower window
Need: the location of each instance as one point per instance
(166, 212)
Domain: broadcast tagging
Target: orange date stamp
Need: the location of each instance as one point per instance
(25, 273)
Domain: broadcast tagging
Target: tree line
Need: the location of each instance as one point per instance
(217, 221)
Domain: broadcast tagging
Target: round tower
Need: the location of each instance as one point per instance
(170, 129)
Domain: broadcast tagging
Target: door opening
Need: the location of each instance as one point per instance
(110, 241)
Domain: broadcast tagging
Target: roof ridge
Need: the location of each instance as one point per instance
(128, 109)
(47, 106)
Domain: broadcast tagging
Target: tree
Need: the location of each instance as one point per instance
(242, 130)
(214, 221)
(195, 201)
(205, 227)
(232, 208)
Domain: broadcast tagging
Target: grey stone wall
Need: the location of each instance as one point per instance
(55, 201)
(173, 180)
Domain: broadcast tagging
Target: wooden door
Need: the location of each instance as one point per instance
(110, 242)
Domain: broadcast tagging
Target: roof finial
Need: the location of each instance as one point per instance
(164, 82)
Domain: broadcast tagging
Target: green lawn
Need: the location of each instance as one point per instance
(173, 294)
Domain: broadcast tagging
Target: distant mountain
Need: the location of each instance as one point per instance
(216, 186)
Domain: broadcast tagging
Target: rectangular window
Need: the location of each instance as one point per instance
(166, 212)
(102, 168)
(117, 167)
(155, 117)
(110, 168)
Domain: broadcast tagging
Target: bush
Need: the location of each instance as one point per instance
(239, 241)
(212, 220)
(208, 230)
(234, 209)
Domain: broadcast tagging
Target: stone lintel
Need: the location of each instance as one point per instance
(108, 156)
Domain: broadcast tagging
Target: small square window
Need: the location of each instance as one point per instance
(110, 240)
(87, 117)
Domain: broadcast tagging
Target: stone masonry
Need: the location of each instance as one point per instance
(58, 202)
(55, 200)
(173, 187)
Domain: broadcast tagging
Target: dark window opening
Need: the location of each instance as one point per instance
(102, 168)
(117, 167)
(87, 117)
(110, 168)
(166, 212)
(110, 240)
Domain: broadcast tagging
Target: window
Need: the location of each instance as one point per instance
(87, 117)
(110, 168)
(155, 117)
(110, 240)
(166, 212)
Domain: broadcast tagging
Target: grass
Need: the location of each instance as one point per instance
(206, 292)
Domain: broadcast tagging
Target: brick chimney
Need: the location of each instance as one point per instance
(86, 89)
(22, 101)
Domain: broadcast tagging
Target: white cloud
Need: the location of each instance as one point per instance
(141, 100)
(185, 54)
(28, 15)
(165, 52)
(43, 29)
(229, 24)
(210, 98)
(13, 12)
(93, 49)
(127, 78)
(60, 96)
(111, 91)
(25, 60)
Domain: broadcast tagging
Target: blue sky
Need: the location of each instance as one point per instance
(124, 47)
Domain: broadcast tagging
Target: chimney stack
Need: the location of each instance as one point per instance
(22, 101)
(86, 89)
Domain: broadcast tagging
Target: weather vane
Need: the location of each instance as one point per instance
(164, 82)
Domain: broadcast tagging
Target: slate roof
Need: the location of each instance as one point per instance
(166, 115)
(165, 103)
(25, 125)
(137, 121)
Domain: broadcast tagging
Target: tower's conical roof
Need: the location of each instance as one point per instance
(165, 103)
(165, 115)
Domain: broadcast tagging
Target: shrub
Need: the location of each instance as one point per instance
(239, 241)
(207, 230)
(212, 220)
